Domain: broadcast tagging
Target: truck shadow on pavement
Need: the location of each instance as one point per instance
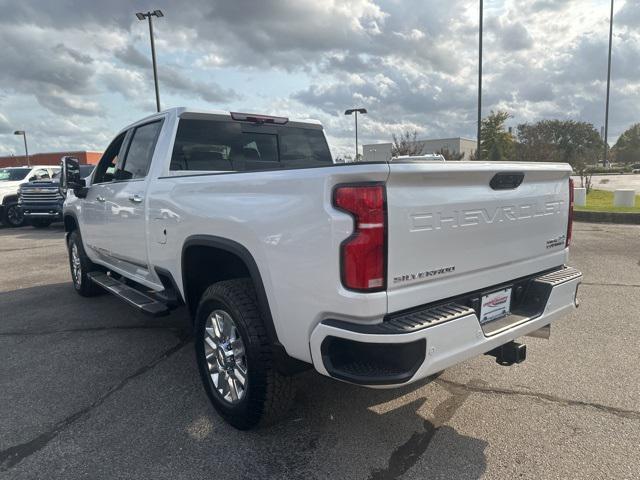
(30, 233)
(151, 419)
(397, 427)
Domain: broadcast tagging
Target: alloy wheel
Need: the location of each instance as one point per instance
(14, 215)
(226, 357)
(76, 267)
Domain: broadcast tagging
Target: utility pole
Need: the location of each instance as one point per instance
(605, 161)
(148, 15)
(479, 81)
(356, 111)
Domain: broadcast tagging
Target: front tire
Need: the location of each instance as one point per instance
(81, 266)
(12, 216)
(235, 357)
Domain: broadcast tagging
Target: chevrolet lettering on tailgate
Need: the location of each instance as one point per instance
(483, 216)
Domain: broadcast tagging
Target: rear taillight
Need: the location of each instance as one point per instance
(570, 222)
(363, 256)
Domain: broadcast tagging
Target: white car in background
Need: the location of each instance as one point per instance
(429, 157)
(10, 180)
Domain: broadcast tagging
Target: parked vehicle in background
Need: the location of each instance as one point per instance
(377, 274)
(11, 179)
(41, 201)
(428, 157)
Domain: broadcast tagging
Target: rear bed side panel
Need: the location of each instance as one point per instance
(451, 233)
(286, 221)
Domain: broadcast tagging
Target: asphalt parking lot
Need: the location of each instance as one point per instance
(91, 389)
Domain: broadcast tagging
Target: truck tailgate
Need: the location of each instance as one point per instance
(450, 232)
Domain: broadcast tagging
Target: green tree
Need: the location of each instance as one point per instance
(496, 143)
(559, 141)
(536, 143)
(627, 148)
(576, 143)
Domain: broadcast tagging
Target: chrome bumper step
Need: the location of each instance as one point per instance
(530, 295)
(137, 299)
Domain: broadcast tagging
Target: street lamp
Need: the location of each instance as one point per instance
(478, 151)
(356, 111)
(148, 15)
(606, 113)
(26, 150)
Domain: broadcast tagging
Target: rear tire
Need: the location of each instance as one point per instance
(40, 223)
(12, 216)
(81, 266)
(231, 344)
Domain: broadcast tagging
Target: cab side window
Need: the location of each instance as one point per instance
(140, 151)
(107, 165)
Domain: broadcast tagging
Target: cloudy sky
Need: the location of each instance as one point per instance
(73, 72)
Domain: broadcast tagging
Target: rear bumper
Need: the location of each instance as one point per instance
(422, 342)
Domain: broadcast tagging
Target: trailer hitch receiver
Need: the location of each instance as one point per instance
(509, 353)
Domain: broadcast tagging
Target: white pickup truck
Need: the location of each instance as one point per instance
(11, 180)
(378, 274)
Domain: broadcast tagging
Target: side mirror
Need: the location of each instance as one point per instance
(70, 178)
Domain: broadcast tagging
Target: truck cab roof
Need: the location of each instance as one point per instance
(222, 115)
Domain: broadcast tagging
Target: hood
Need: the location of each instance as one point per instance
(10, 184)
(41, 184)
(8, 188)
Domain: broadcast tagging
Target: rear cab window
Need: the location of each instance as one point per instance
(232, 146)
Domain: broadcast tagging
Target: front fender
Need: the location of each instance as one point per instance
(9, 199)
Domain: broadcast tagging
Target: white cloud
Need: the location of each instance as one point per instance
(211, 60)
(5, 127)
(411, 63)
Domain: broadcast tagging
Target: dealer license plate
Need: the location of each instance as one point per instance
(495, 305)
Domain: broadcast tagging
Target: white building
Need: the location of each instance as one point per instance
(377, 152)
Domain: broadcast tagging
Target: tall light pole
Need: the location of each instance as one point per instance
(478, 151)
(26, 150)
(606, 110)
(356, 111)
(148, 15)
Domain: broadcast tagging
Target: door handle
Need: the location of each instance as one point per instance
(135, 198)
(99, 198)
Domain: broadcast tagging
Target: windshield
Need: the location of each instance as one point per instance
(13, 174)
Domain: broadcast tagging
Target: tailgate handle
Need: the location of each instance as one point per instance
(506, 180)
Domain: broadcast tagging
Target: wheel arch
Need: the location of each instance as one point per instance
(234, 257)
(10, 199)
(70, 222)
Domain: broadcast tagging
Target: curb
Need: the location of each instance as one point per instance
(606, 217)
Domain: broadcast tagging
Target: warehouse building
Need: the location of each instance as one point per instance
(378, 152)
(51, 158)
